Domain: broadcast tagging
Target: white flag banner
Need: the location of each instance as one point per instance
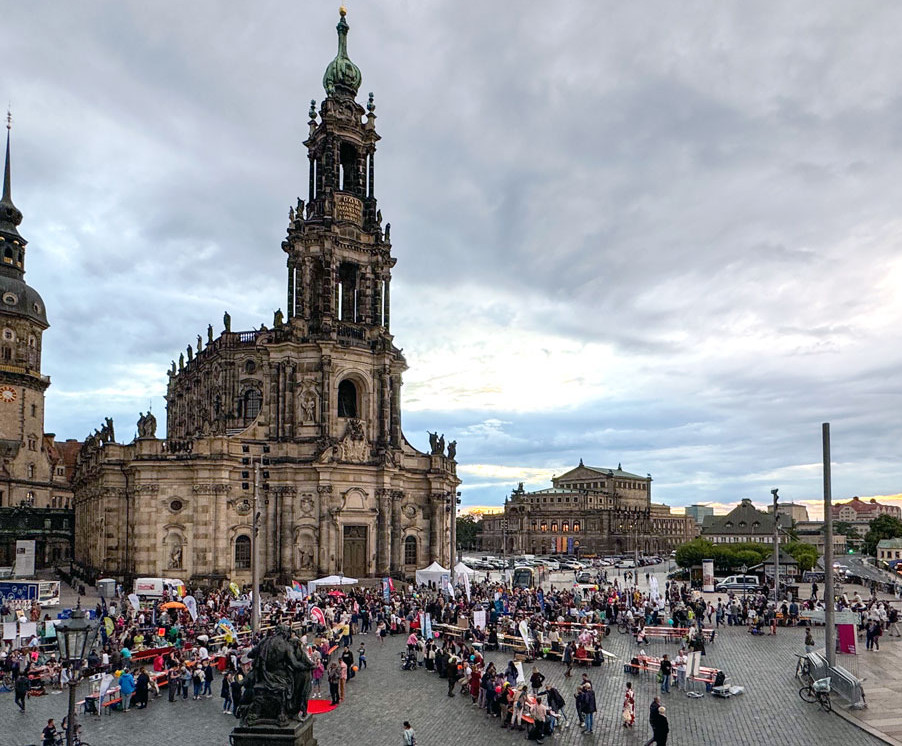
(134, 601)
(191, 604)
(467, 584)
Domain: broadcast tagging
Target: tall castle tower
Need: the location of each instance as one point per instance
(33, 472)
(314, 401)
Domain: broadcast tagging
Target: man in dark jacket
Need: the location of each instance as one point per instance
(21, 689)
(653, 714)
(661, 727)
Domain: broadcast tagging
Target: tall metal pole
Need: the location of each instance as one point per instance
(255, 564)
(776, 553)
(70, 720)
(829, 605)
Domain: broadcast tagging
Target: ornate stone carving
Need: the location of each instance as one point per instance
(409, 511)
(306, 504)
(147, 489)
(353, 448)
(210, 489)
(243, 506)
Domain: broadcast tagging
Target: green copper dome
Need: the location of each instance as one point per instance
(342, 76)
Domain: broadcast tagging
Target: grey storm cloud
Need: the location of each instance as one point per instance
(691, 209)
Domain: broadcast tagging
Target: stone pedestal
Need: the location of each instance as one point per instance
(298, 734)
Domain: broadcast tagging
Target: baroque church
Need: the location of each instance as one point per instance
(301, 419)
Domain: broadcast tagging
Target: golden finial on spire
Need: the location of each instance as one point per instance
(342, 11)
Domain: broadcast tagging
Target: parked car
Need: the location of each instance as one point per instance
(626, 564)
(737, 583)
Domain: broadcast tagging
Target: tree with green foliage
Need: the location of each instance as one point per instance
(844, 527)
(805, 554)
(468, 532)
(882, 527)
(726, 557)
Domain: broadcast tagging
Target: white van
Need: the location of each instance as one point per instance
(154, 587)
(738, 583)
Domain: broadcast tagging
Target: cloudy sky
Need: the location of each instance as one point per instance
(665, 234)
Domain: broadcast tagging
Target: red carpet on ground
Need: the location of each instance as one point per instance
(319, 706)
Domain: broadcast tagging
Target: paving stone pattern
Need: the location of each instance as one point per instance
(383, 696)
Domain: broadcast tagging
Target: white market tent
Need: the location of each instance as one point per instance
(330, 580)
(431, 574)
(460, 569)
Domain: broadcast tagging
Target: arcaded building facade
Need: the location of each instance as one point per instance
(587, 510)
(305, 413)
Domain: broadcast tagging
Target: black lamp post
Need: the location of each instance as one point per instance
(744, 569)
(75, 637)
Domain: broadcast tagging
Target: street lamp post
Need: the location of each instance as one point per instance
(744, 569)
(75, 637)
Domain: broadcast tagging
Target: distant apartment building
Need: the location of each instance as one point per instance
(857, 510)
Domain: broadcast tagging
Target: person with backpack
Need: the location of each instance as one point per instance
(408, 737)
(557, 705)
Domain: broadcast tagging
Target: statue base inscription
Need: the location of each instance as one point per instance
(296, 734)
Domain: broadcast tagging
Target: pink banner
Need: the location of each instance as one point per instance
(845, 638)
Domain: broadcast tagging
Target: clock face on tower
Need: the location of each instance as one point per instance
(7, 394)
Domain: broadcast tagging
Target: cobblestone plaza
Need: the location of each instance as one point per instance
(383, 696)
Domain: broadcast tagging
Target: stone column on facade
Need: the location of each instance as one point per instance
(396, 410)
(385, 406)
(396, 497)
(292, 271)
(325, 521)
(387, 303)
(377, 299)
(383, 532)
(291, 400)
(328, 294)
(436, 505)
(324, 399)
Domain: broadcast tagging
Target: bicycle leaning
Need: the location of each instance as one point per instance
(818, 691)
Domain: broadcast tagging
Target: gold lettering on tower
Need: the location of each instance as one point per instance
(348, 208)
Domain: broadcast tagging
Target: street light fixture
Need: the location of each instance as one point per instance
(75, 637)
(744, 569)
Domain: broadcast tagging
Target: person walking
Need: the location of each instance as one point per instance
(661, 727)
(21, 691)
(589, 707)
(629, 706)
(653, 710)
(809, 640)
(49, 734)
(408, 737)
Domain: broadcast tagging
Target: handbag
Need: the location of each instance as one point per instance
(660, 677)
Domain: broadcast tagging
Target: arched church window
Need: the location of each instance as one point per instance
(243, 553)
(410, 550)
(250, 367)
(347, 399)
(31, 471)
(253, 400)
